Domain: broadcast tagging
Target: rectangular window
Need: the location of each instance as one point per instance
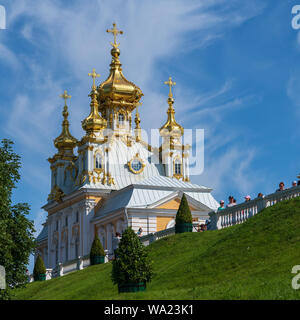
(177, 168)
(77, 217)
(66, 222)
(56, 227)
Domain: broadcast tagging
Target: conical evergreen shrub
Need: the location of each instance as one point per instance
(133, 266)
(96, 251)
(39, 271)
(184, 213)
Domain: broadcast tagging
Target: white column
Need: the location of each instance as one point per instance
(109, 230)
(58, 216)
(86, 209)
(187, 167)
(102, 236)
(69, 215)
(49, 243)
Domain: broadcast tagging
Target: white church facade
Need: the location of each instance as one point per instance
(116, 179)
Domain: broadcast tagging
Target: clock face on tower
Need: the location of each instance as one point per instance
(136, 164)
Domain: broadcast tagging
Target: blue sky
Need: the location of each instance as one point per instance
(236, 65)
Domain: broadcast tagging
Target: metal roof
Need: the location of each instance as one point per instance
(43, 234)
(152, 190)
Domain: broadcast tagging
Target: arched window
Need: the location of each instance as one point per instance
(98, 161)
(177, 166)
(121, 118)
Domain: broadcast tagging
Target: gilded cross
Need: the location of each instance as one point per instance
(65, 96)
(115, 32)
(170, 83)
(94, 75)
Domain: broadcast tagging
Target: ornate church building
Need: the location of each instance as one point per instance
(116, 179)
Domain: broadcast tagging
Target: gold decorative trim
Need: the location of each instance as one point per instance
(56, 194)
(138, 158)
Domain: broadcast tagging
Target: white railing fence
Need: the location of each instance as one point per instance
(242, 212)
(70, 266)
(151, 237)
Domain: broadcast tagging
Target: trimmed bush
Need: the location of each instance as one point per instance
(184, 213)
(39, 271)
(133, 266)
(97, 251)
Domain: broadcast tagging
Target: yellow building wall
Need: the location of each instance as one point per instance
(174, 205)
(162, 222)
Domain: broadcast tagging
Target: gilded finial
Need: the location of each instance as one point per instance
(171, 126)
(94, 75)
(65, 142)
(170, 83)
(65, 96)
(94, 122)
(115, 32)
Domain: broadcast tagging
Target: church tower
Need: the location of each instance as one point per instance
(117, 96)
(174, 154)
(63, 162)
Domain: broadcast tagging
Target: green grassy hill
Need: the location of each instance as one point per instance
(248, 261)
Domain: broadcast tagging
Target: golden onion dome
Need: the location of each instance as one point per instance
(116, 88)
(94, 122)
(171, 127)
(65, 141)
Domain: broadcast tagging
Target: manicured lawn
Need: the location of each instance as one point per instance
(248, 261)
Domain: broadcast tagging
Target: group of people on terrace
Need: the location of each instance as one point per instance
(232, 201)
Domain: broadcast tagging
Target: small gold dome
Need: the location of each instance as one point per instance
(171, 127)
(94, 122)
(65, 142)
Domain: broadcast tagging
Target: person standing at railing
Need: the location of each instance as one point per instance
(221, 205)
(247, 198)
(294, 184)
(260, 195)
(231, 202)
(281, 187)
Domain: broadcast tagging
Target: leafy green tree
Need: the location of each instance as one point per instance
(184, 213)
(96, 249)
(133, 264)
(16, 231)
(39, 267)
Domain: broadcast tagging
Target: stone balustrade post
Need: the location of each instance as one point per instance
(79, 263)
(106, 256)
(60, 269)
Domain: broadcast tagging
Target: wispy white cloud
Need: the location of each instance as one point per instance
(9, 57)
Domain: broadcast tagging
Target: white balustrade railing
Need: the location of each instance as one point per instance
(151, 237)
(242, 212)
(70, 266)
